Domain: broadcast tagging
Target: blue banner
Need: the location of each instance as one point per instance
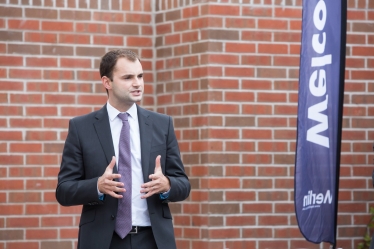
(321, 88)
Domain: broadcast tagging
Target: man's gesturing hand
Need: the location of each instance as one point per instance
(106, 185)
(158, 184)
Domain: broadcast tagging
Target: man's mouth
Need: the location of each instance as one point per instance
(136, 92)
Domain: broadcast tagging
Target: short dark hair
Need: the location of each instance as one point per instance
(109, 61)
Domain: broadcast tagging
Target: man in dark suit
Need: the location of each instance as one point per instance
(96, 151)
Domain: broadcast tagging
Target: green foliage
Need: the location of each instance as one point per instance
(367, 237)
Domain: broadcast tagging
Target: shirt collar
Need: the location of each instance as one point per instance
(113, 112)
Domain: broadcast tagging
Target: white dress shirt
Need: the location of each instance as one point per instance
(139, 208)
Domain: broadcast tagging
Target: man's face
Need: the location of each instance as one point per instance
(127, 86)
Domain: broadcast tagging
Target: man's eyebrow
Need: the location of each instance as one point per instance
(130, 74)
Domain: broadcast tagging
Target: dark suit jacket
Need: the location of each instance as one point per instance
(87, 152)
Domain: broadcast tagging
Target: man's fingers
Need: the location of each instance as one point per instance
(158, 164)
(149, 193)
(109, 181)
(112, 163)
(113, 194)
(111, 177)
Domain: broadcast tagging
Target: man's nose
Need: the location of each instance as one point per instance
(136, 81)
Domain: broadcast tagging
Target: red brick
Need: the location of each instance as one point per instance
(4, 98)
(108, 40)
(256, 60)
(271, 73)
(25, 74)
(192, 233)
(189, 208)
(225, 233)
(163, 28)
(224, 10)
(69, 233)
(75, 63)
(220, 108)
(75, 111)
(58, 74)
(203, 71)
(269, 220)
(11, 184)
(272, 24)
(40, 37)
(273, 244)
(256, 35)
(190, 36)
(41, 62)
(172, 39)
(32, 209)
(205, 22)
(22, 222)
(11, 61)
(256, 11)
(74, 38)
(273, 48)
(59, 99)
(42, 86)
(43, 159)
(11, 209)
(91, 27)
(240, 196)
(57, 26)
(41, 234)
(25, 172)
(41, 111)
(74, 87)
(240, 47)
(24, 24)
(92, 99)
(11, 135)
(240, 23)
(206, 146)
(108, 16)
(138, 18)
(222, 59)
(25, 147)
(56, 221)
(257, 233)
(10, 86)
(18, 245)
(223, 83)
(222, 183)
(24, 197)
(55, 123)
(139, 41)
(239, 72)
(362, 51)
(41, 135)
(190, 12)
(41, 184)
(288, 12)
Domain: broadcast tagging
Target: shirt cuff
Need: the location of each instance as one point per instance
(100, 195)
(165, 195)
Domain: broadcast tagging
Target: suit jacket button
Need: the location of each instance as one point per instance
(112, 216)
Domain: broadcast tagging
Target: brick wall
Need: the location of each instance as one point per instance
(227, 71)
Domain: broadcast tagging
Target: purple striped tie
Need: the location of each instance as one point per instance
(123, 221)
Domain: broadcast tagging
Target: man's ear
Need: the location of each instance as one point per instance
(107, 83)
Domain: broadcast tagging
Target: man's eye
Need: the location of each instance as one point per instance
(140, 76)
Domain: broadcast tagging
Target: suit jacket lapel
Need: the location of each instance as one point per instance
(145, 130)
(102, 128)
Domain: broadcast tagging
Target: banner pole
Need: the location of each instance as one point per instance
(343, 38)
